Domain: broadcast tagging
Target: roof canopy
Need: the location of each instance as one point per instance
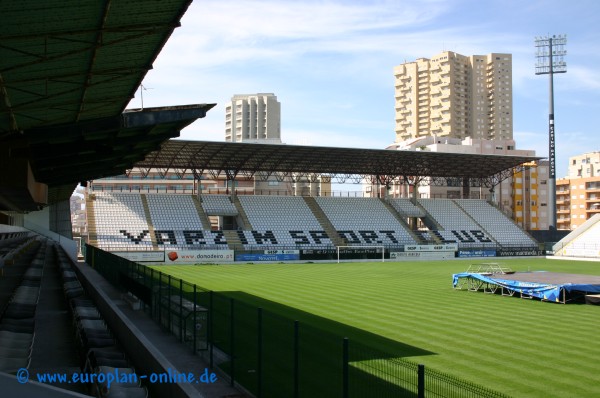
(66, 61)
(249, 159)
(103, 147)
(68, 69)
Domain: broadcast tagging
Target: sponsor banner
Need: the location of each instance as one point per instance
(143, 256)
(431, 248)
(346, 253)
(416, 254)
(519, 252)
(282, 252)
(318, 254)
(477, 253)
(198, 256)
(268, 257)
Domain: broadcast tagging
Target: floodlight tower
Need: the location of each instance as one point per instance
(550, 60)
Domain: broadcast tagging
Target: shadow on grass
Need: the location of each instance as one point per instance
(272, 356)
(385, 347)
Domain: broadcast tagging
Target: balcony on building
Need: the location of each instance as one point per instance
(593, 186)
(593, 210)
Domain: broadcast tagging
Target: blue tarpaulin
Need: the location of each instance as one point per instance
(541, 290)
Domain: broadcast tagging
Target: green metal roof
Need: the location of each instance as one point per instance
(68, 69)
(104, 147)
(67, 61)
(247, 159)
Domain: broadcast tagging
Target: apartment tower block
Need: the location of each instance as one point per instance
(456, 96)
(253, 118)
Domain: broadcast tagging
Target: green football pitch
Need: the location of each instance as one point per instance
(521, 347)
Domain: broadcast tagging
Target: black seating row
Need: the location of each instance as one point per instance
(11, 250)
(98, 349)
(17, 321)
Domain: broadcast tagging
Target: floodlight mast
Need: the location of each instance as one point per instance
(550, 60)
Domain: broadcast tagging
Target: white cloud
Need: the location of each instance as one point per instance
(219, 33)
(583, 78)
(255, 20)
(331, 64)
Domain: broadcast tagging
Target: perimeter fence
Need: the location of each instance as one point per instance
(268, 352)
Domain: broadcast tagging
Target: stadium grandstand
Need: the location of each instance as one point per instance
(64, 87)
(247, 224)
(124, 221)
(581, 243)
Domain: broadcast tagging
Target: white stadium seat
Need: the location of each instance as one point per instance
(131, 221)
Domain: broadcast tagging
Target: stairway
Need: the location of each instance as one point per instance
(206, 225)
(149, 221)
(241, 213)
(324, 221)
(398, 217)
(233, 240)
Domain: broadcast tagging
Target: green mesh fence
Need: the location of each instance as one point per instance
(271, 354)
(374, 373)
(442, 385)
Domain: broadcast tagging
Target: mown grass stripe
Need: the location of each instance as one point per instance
(520, 347)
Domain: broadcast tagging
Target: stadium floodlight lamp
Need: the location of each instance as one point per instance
(550, 55)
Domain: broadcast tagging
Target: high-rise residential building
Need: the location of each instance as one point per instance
(253, 118)
(528, 196)
(578, 195)
(456, 96)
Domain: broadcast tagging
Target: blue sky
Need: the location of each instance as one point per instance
(330, 64)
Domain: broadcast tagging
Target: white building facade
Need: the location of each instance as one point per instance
(253, 118)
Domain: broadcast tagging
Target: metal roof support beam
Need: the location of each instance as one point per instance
(247, 174)
(41, 100)
(314, 177)
(357, 179)
(77, 32)
(6, 102)
(197, 174)
(262, 175)
(281, 176)
(92, 61)
(180, 173)
(340, 178)
(63, 78)
(41, 58)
